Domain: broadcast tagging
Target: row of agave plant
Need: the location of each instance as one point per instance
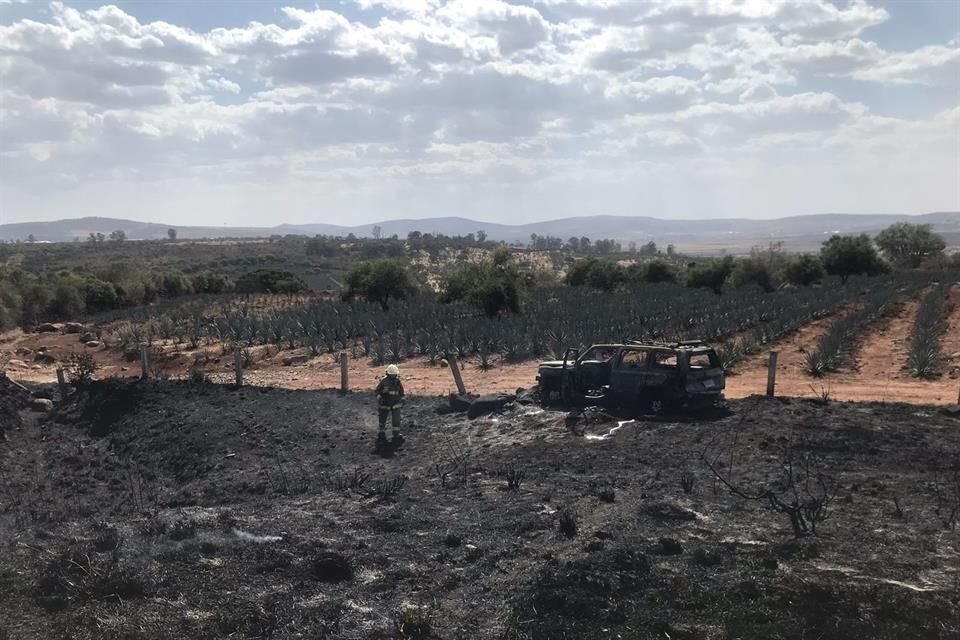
(925, 356)
(553, 320)
(843, 334)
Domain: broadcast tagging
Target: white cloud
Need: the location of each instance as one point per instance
(932, 65)
(531, 108)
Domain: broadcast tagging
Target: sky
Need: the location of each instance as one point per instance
(256, 113)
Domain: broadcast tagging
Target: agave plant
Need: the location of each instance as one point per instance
(925, 356)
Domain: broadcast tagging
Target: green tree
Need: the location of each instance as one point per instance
(118, 236)
(753, 270)
(270, 281)
(174, 283)
(171, 234)
(598, 274)
(658, 271)
(710, 275)
(804, 270)
(36, 299)
(99, 295)
(493, 286)
(11, 303)
(907, 245)
(67, 301)
(379, 281)
(845, 256)
(209, 282)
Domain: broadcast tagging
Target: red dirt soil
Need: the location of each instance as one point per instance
(879, 376)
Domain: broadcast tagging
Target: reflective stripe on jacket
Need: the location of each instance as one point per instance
(390, 392)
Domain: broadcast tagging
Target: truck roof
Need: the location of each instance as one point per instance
(688, 345)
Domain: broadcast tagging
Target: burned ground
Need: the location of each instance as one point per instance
(169, 510)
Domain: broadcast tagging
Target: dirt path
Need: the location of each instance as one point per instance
(882, 353)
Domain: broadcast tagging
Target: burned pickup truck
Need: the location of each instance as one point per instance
(651, 376)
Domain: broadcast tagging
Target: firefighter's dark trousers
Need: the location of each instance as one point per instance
(394, 413)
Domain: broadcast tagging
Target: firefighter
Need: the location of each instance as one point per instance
(389, 402)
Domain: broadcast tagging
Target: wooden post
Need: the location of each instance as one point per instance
(144, 361)
(61, 384)
(455, 368)
(772, 374)
(344, 374)
(238, 366)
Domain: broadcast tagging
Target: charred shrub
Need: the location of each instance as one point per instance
(353, 481)
(390, 487)
(804, 492)
(198, 378)
(107, 539)
(452, 541)
(182, 530)
(514, 477)
(329, 566)
(78, 575)
(669, 547)
(413, 623)
(265, 618)
(607, 493)
(572, 599)
(687, 482)
(568, 522)
(705, 558)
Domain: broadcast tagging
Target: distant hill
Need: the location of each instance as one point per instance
(694, 236)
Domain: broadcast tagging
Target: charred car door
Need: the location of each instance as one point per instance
(630, 374)
(593, 370)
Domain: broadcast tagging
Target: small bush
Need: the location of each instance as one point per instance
(80, 368)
